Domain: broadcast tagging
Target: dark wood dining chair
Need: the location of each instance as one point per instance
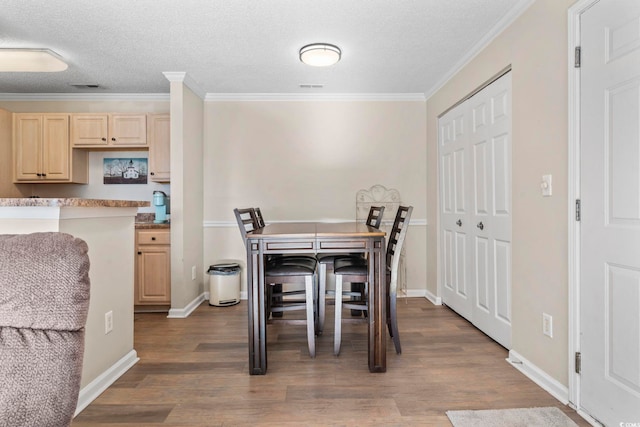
(277, 290)
(354, 269)
(290, 270)
(247, 221)
(326, 263)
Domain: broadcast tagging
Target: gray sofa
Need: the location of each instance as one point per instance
(44, 300)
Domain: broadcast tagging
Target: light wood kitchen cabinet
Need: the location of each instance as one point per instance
(153, 267)
(158, 132)
(42, 152)
(115, 130)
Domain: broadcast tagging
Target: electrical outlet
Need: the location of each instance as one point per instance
(108, 322)
(547, 325)
(193, 273)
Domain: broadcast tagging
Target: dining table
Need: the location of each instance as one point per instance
(286, 238)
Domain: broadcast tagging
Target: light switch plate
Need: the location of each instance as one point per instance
(546, 185)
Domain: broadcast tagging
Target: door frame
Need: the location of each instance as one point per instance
(573, 193)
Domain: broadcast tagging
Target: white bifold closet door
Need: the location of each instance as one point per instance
(475, 209)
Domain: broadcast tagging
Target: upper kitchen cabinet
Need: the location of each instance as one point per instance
(100, 130)
(42, 153)
(158, 131)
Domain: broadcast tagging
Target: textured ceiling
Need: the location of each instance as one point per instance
(245, 46)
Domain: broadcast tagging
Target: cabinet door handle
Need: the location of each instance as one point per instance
(139, 253)
(480, 225)
(38, 174)
(44, 174)
(113, 139)
(459, 223)
(104, 139)
(153, 238)
(152, 173)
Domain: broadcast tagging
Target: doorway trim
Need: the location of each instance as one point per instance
(573, 193)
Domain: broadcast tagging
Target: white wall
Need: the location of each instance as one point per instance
(305, 161)
(535, 46)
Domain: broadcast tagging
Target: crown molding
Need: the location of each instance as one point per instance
(508, 19)
(393, 97)
(213, 97)
(182, 77)
(84, 97)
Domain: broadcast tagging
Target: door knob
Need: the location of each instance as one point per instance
(480, 225)
(459, 223)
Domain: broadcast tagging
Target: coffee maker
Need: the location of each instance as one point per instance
(161, 203)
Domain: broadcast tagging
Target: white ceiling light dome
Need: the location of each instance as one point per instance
(320, 54)
(30, 60)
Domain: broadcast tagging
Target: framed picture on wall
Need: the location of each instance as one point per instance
(125, 171)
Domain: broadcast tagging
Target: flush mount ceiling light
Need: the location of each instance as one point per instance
(320, 54)
(30, 61)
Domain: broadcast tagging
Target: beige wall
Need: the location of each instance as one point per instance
(535, 45)
(186, 195)
(305, 161)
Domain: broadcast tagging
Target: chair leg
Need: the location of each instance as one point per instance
(310, 302)
(277, 288)
(337, 337)
(392, 322)
(357, 287)
(322, 289)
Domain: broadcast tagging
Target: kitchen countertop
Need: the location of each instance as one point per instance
(151, 225)
(71, 202)
(145, 221)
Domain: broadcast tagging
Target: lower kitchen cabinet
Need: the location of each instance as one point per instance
(153, 267)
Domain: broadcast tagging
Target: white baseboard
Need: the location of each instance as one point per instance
(539, 377)
(243, 295)
(182, 313)
(91, 391)
(435, 300)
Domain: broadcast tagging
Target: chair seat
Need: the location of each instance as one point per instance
(350, 266)
(300, 267)
(329, 259)
(289, 257)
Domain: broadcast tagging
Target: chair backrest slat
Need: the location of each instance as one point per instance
(375, 216)
(259, 217)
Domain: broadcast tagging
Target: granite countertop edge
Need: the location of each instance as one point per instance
(151, 225)
(71, 202)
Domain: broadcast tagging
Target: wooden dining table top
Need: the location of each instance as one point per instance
(316, 229)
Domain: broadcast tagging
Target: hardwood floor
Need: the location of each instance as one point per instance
(194, 372)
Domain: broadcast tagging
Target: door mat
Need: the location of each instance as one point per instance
(520, 417)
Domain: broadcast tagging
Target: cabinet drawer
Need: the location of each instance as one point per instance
(154, 237)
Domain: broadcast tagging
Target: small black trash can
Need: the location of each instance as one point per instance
(224, 284)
